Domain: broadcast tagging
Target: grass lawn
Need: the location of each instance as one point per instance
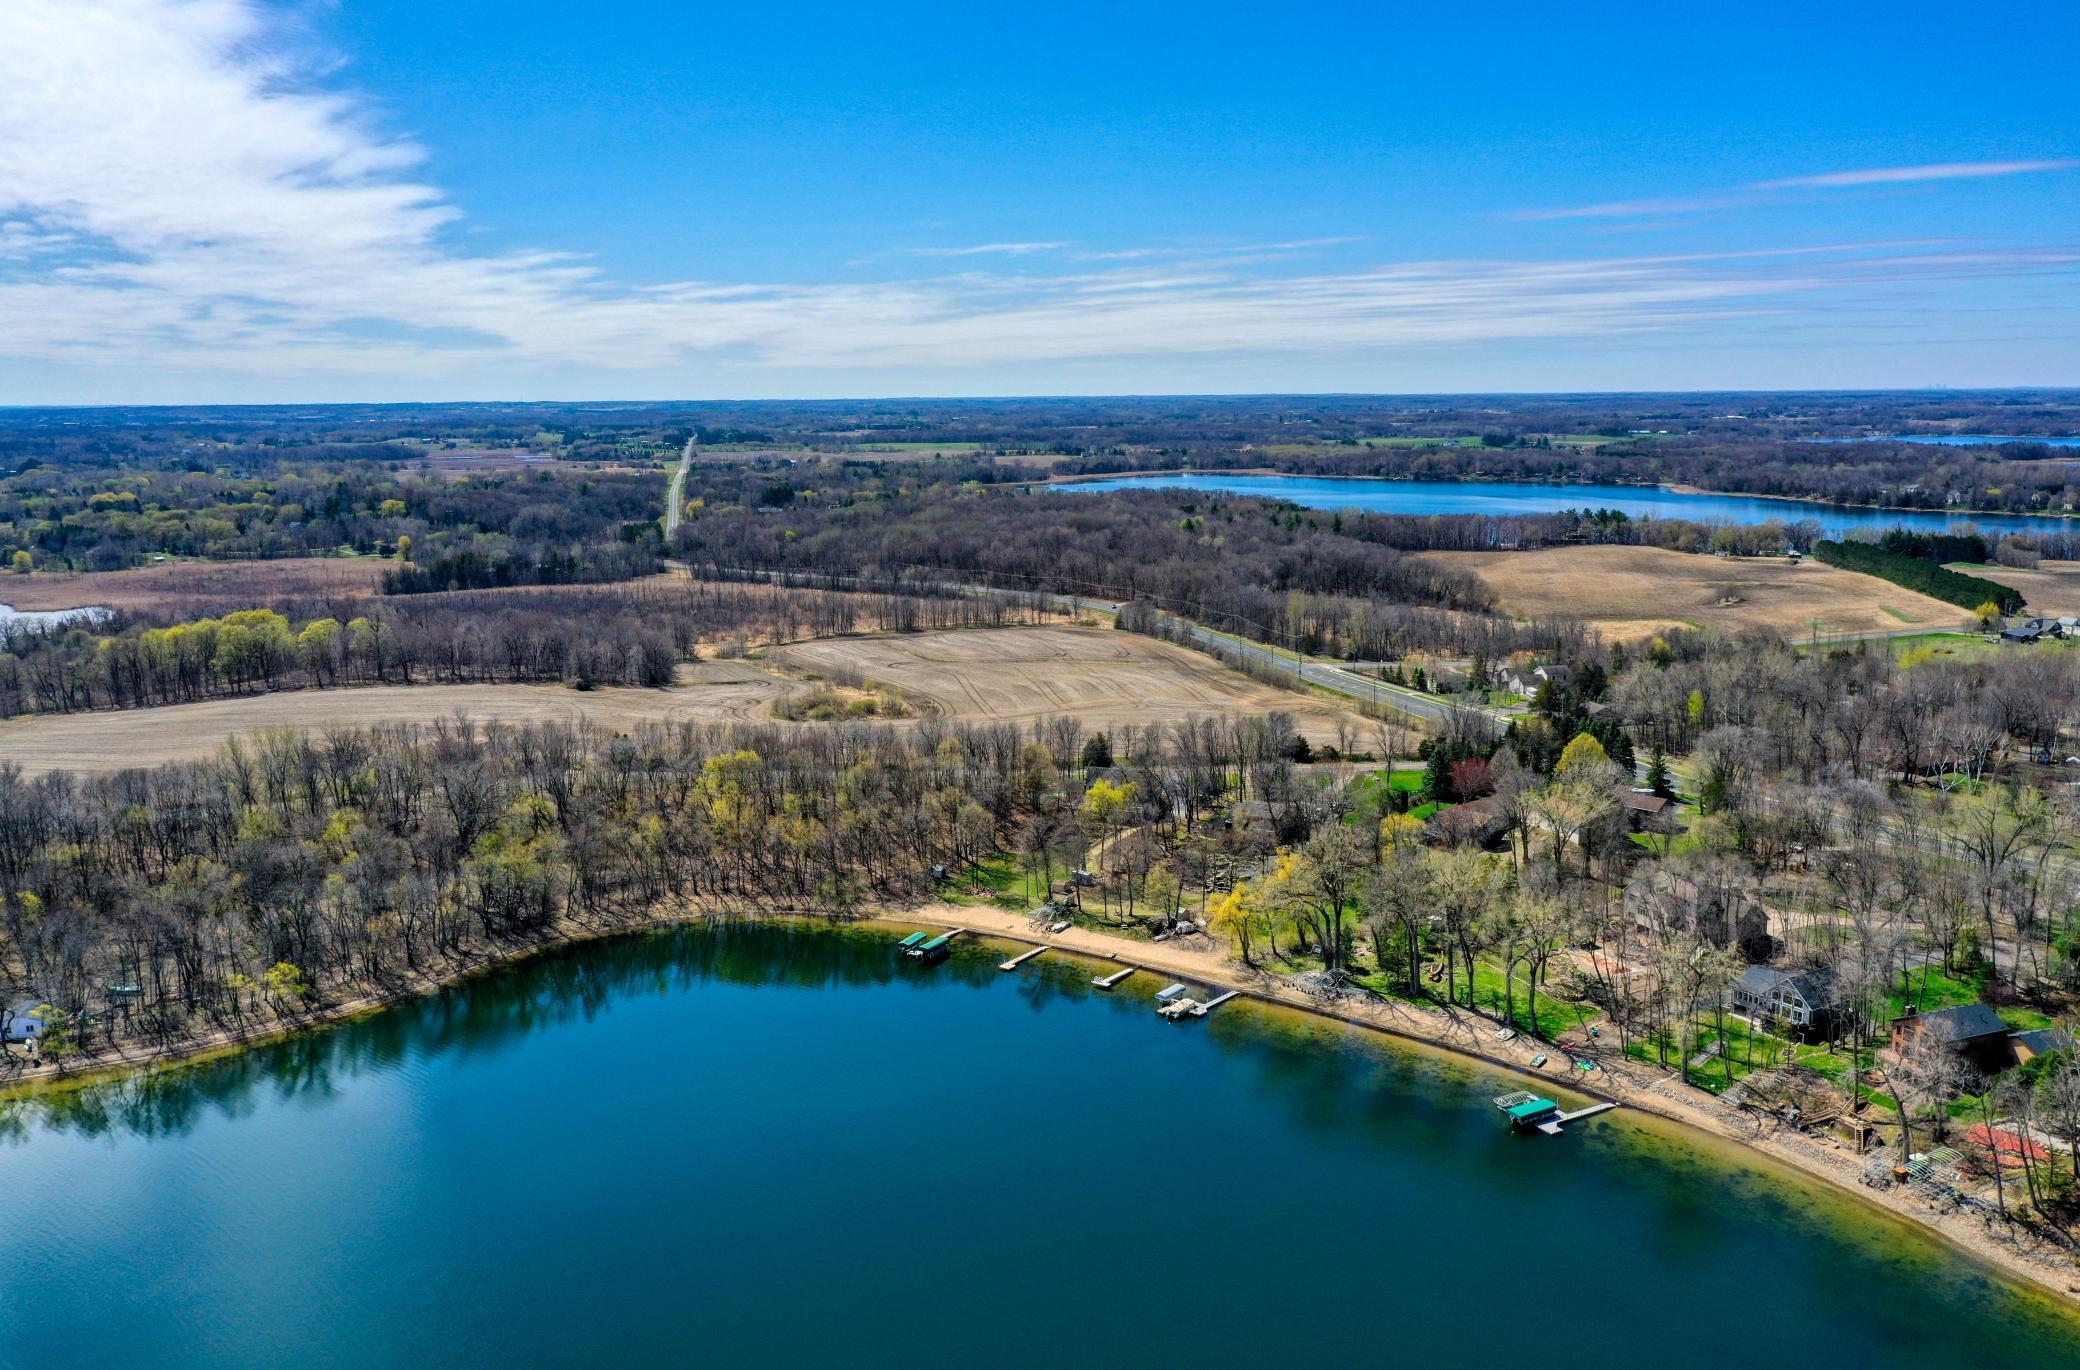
(1931, 990)
(1555, 1015)
(999, 882)
(1370, 791)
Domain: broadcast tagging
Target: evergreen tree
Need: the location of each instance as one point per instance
(1657, 774)
(1097, 751)
(1437, 776)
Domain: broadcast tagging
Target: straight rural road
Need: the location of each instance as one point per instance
(675, 498)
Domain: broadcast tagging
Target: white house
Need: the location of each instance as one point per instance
(1527, 682)
(23, 1022)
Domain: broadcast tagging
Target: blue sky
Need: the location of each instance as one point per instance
(203, 200)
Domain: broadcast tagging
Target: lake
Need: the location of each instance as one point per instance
(1951, 439)
(782, 1145)
(1378, 495)
(50, 617)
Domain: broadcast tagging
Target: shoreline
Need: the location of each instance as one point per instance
(1454, 1032)
(1460, 1033)
(1680, 488)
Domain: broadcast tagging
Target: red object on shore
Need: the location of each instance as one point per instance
(2010, 1148)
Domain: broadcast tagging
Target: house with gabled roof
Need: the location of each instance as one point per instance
(1802, 1000)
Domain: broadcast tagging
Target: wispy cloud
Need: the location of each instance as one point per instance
(1755, 191)
(1633, 209)
(274, 230)
(986, 250)
(1213, 251)
(1935, 171)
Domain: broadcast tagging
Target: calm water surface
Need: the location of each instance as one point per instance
(772, 1145)
(1953, 439)
(10, 615)
(1381, 496)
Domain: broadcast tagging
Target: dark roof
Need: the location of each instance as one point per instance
(1484, 819)
(2041, 1040)
(1814, 986)
(1961, 1024)
(1644, 803)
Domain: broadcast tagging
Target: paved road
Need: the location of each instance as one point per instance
(1327, 675)
(675, 498)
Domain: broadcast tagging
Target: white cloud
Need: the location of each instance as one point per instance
(1937, 171)
(177, 195)
(1632, 209)
(987, 250)
(1833, 180)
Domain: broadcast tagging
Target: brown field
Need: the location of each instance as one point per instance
(1634, 592)
(200, 583)
(1104, 678)
(2053, 589)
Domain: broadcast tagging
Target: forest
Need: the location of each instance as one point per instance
(294, 869)
(631, 634)
(1919, 574)
(1274, 572)
(256, 503)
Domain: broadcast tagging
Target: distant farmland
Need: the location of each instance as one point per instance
(2053, 587)
(1634, 592)
(1105, 679)
(206, 584)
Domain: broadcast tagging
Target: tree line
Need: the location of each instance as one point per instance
(635, 634)
(297, 867)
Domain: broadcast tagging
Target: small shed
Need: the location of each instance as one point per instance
(24, 1022)
(1645, 810)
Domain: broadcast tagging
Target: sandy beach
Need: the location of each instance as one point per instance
(1436, 1027)
(1466, 1034)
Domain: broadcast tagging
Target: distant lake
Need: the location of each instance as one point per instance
(781, 1145)
(10, 615)
(1382, 496)
(1951, 439)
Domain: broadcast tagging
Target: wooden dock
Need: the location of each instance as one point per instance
(1551, 1126)
(1108, 981)
(936, 948)
(1176, 1010)
(1015, 962)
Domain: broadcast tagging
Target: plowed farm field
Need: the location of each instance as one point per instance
(1105, 679)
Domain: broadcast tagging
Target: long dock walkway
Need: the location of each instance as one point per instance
(1015, 962)
(1108, 981)
(1551, 1126)
(1201, 1010)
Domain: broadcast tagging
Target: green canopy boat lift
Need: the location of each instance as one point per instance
(1528, 1112)
(933, 949)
